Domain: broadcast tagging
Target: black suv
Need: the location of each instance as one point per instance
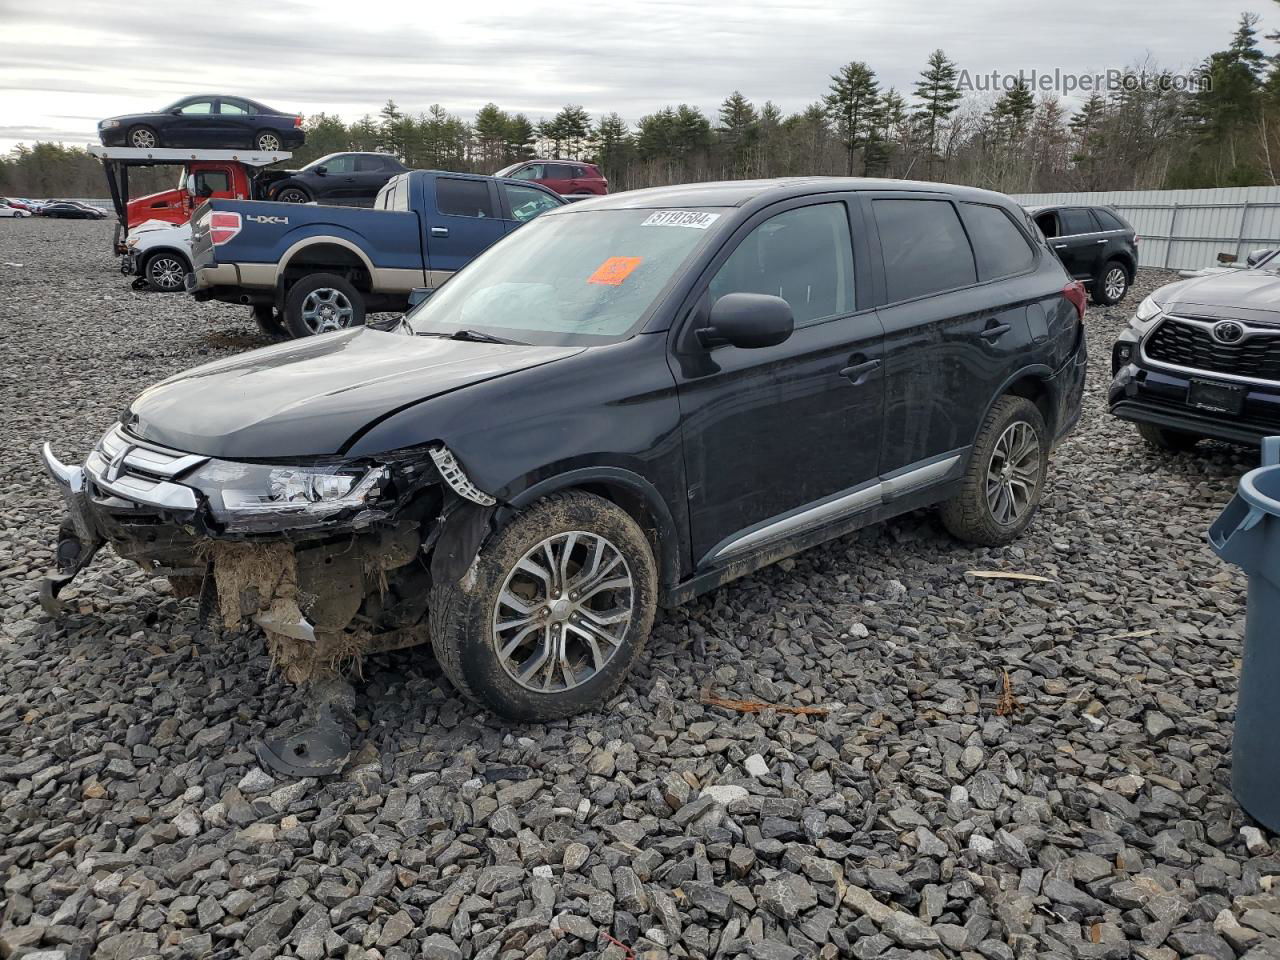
(625, 403)
(1096, 245)
(340, 179)
(1201, 358)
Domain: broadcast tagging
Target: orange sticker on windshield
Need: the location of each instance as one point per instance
(614, 270)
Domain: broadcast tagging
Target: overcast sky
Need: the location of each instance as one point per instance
(64, 64)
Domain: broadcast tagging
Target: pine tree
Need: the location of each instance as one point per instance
(1011, 114)
(939, 96)
(851, 103)
(517, 139)
(614, 146)
(490, 129)
(739, 129)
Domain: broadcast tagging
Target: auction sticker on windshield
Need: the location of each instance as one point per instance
(681, 218)
(614, 270)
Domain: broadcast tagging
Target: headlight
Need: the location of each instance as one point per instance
(1146, 316)
(108, 124)
(257, 496)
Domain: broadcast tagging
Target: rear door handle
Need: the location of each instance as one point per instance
(859, 372)
(995, 331)
(439, 231)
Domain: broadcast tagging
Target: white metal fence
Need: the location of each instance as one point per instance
(1187, 229)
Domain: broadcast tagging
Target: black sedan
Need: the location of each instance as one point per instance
(206, 121)
(70, 210)
(343, 179)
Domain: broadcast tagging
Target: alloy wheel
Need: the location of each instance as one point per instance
(143, 139)
(268, 142)
(167, 273)
(563, 612)
(1013, 476)
(326, 309)
(292, 196)
(1114, 283)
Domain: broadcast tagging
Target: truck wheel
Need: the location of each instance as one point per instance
(267, 141)
(553, 613)
(166, 272)
(268, 320)
(1111, 284)
(144, 138)
(1174, 441)
(322, 303)
(1001, 488)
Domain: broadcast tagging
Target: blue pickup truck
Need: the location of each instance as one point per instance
(308, 269)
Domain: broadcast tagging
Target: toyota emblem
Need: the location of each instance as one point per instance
(1228, 332)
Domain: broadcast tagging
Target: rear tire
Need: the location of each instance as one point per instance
(143, 138)
(1171, 441)
(268, 320)
(492, 650)
(322, 303)
(268, 141)
(1110, 284)
(1002, 486)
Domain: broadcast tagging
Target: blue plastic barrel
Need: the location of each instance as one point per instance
(1248, 535)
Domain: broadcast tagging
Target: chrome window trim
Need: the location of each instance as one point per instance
(1250, 331)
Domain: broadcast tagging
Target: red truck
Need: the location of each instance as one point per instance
(227, 174)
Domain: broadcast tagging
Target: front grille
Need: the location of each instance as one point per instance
(1191, 345)
(142, 473)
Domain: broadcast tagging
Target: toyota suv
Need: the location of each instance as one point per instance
(627, 402)
(1201, 359)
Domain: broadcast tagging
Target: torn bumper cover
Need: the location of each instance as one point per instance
(324, 555)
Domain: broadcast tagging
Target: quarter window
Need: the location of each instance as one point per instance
(924, 247)
(463, 198)
(804, 256)
(1001, 247)
(1108, 219)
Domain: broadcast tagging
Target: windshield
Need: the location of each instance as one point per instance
(1270, 263)
(506, 171)
(586, 277)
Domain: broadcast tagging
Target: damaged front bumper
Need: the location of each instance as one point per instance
(331, 559)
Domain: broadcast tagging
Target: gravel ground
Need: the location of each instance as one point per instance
(1087, 815)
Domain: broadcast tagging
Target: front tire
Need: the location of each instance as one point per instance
(1111, 284)
(553, 613)
(1003, 484)
(1171, 441)
(322, 303)
(167, 272)
(267, 141)
(293, 195)
(143, 138)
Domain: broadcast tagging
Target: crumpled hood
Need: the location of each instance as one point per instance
(1239, 295)
(310, 397)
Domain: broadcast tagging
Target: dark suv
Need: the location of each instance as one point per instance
(1201, 358)
(341, 179)
(1095, 244)
(625, 403)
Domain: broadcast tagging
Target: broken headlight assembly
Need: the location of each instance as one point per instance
(250, 496)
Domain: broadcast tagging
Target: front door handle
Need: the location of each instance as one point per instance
(1059, 246)
(995, 331)
(1103, 240)
(439, 231)
(859, 372)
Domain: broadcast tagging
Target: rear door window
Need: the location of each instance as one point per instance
(924, 246)
(1075, 221)
(463, 198)
(1001, 248)
(369, 165)
(804, 256)
(236, 108)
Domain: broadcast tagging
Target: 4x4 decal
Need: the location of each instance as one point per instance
(262, 218)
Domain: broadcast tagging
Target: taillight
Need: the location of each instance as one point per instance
(297, 121)
(223, 226)
(1074, 292)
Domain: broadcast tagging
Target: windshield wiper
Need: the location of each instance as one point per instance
(477, 336)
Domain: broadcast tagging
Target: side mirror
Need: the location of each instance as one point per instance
(748, 320)
(321, 171)
(419, 295)
(1258, 256)
(176, 111)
